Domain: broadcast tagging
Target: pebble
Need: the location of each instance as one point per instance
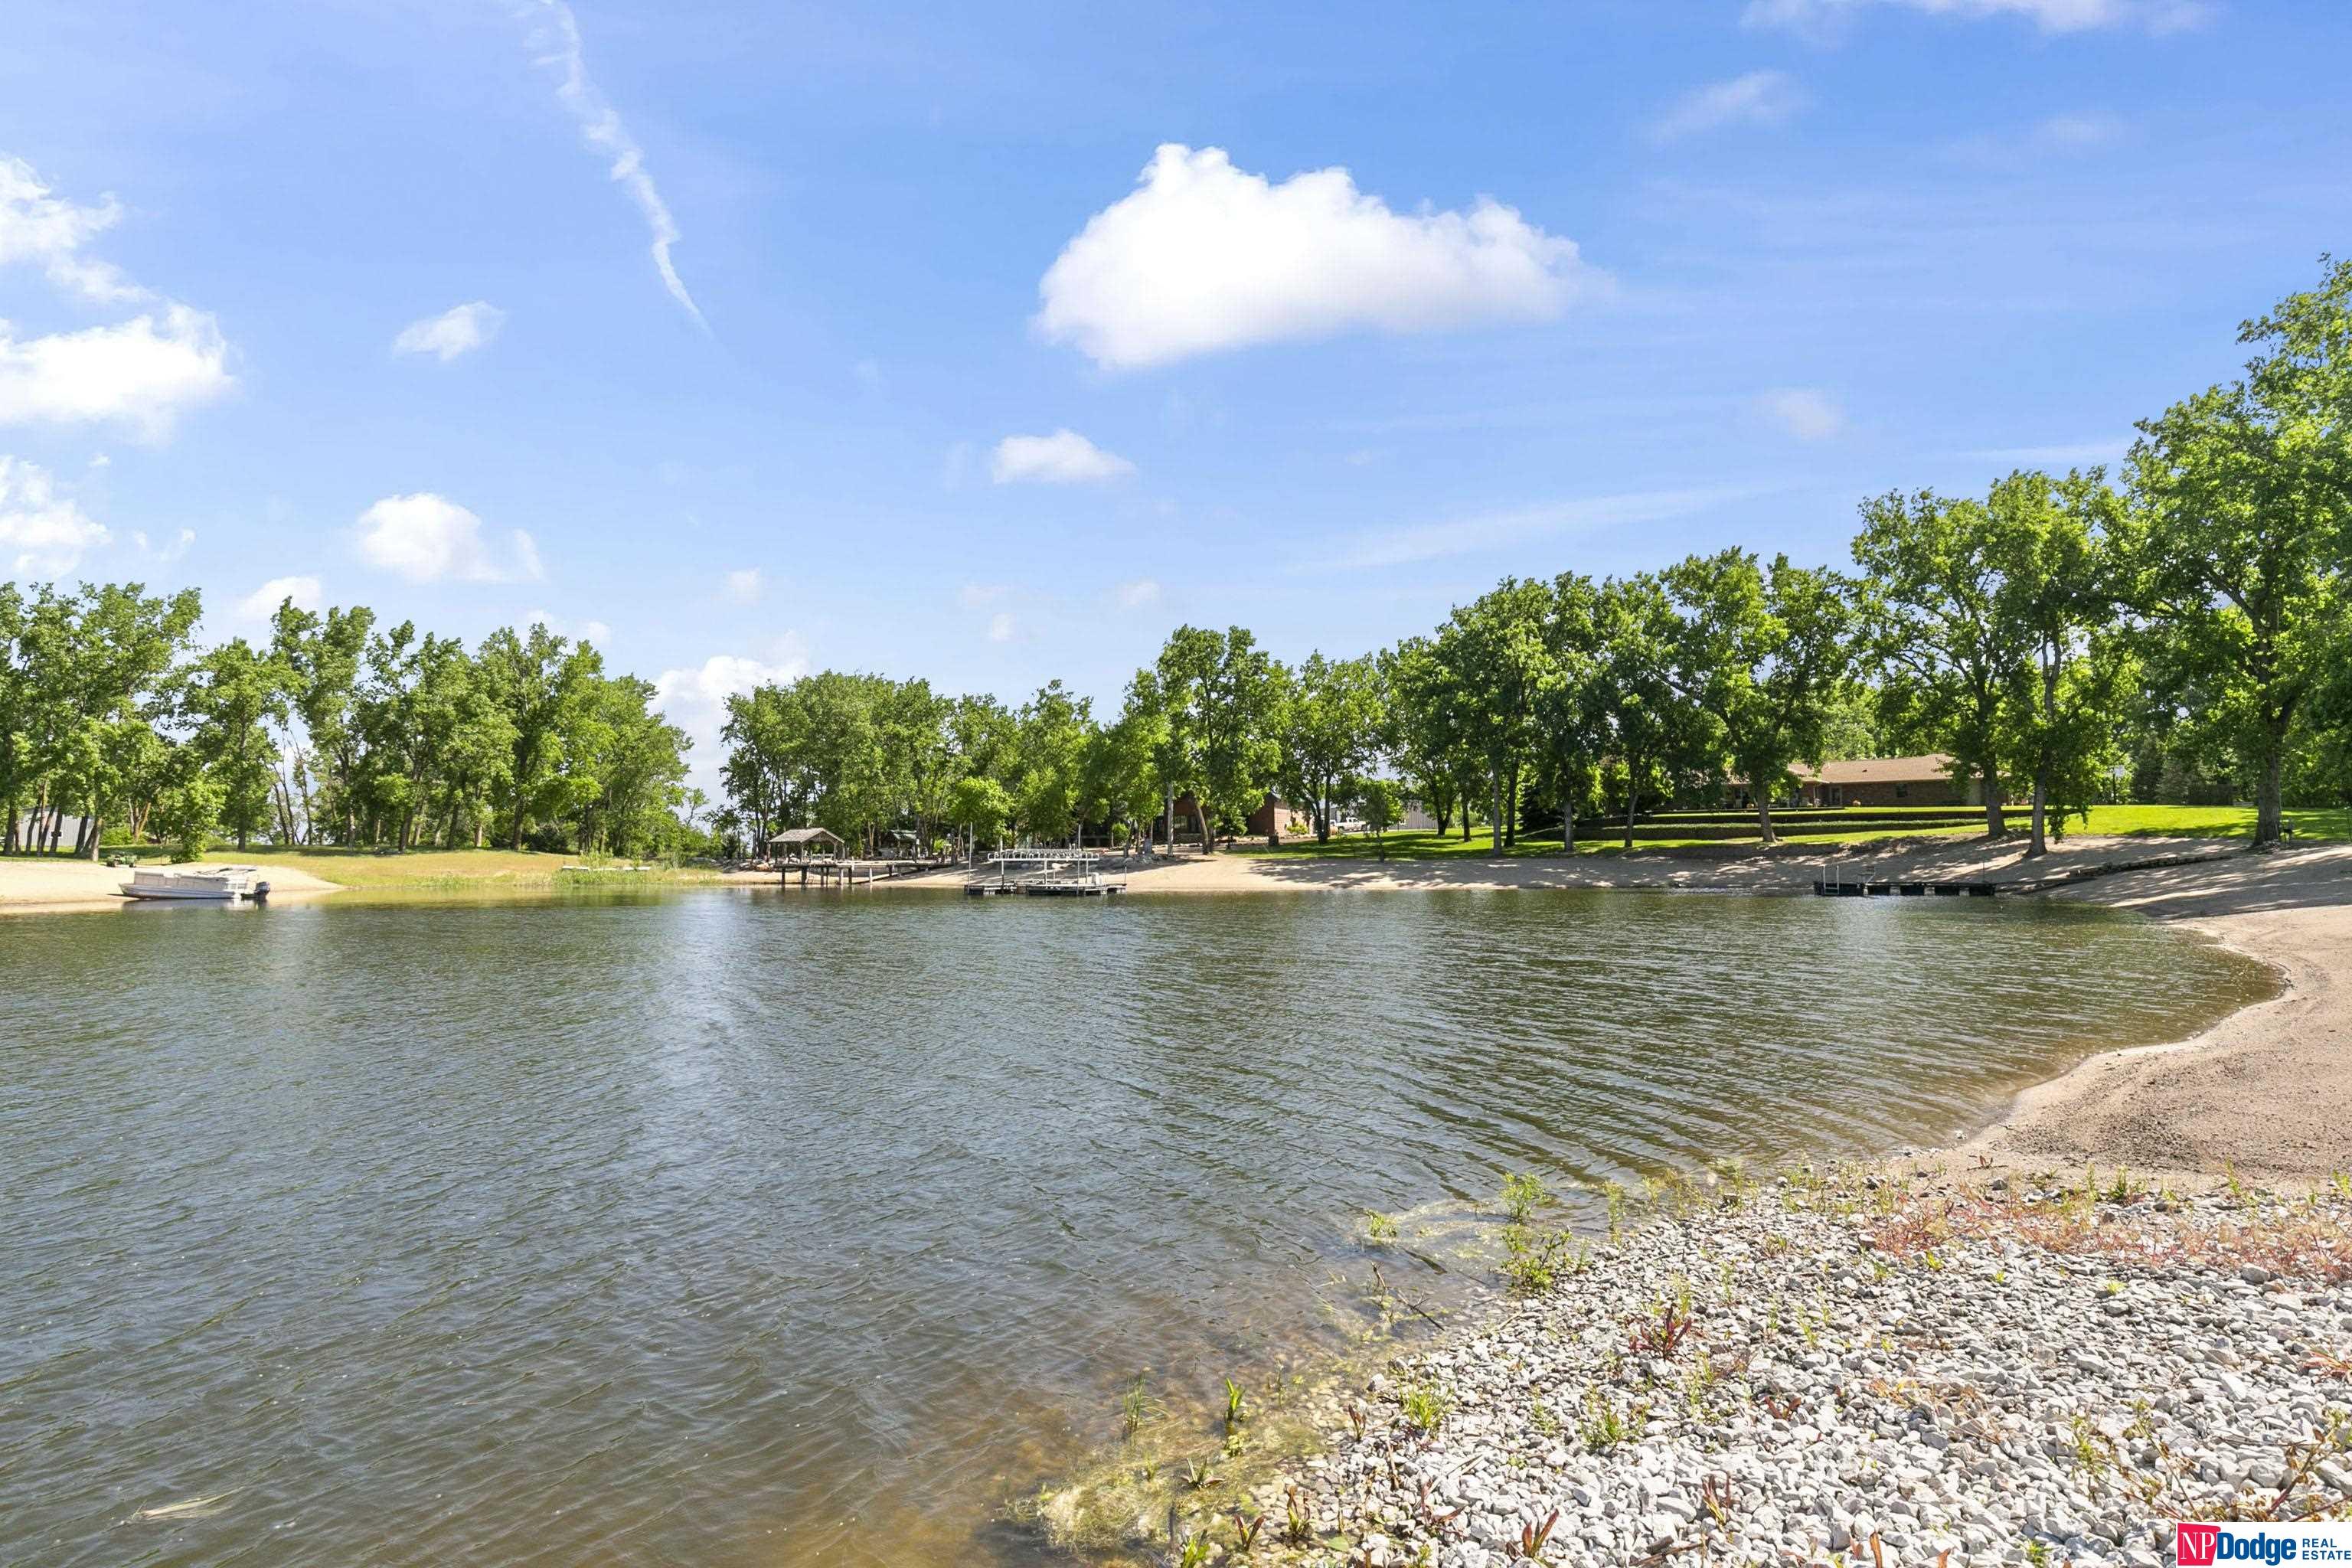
(1983, 1397)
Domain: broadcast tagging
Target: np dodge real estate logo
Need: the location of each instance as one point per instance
(2209, 1545)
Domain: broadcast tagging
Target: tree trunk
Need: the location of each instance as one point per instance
(1764, 819)
(1511, 800)
(1495, 822)
(1632, 800)
(1995, 825)
(2268, 794)
(1567, 824)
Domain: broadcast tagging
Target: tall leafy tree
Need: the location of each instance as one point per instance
(1948, 657)
(1222, 695)
(239, 694)
(1332, 730)
(1496, 652)
(2237, 535)
(1764, 651)
(540, 681)
(1654, 730)
(1571, 705)
(2052, 544)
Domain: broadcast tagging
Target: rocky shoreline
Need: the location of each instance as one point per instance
(1864, 1367)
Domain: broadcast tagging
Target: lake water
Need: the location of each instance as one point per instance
(740, 1228)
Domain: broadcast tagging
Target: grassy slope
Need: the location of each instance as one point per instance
(2182, 821)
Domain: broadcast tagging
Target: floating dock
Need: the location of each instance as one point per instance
(1866, 889)
(1045, 874)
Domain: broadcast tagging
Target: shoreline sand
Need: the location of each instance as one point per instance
(64, 887)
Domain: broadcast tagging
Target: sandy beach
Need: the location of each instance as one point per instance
(33, 887)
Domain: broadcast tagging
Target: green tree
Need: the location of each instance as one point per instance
(1382, 802)
(2052, 544)
(1496, 653)
(1571, 705)
(1654, 730)
(1221, 695)
(1332, 729)
(239, 694)
(1763, 651)
(541, 682)
(2236, 536)
(1948, 658)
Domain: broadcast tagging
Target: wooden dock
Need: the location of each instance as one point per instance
(1045, 874)
(1868, 889)
(824, 871)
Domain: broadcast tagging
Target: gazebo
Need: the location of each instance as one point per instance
(801, 844)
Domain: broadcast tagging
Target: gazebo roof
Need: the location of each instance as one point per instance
(804, 836)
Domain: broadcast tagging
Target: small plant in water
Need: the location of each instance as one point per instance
(1380, 1227)
(1233, 1406)
(1613, 1194)
(1200, 1474)
(1522, 1195)
(1297, 1528)
(1246, 1529)
(1424, 1409)
(1136, 1407)
(1194, 1552)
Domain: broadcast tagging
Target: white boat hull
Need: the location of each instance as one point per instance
(212, 887)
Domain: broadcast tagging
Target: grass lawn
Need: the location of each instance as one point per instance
(2128, 821)
(417, 867)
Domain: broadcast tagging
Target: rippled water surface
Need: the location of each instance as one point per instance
(748, 1228)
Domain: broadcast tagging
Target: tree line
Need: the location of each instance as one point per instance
(2179, 630)
(2176, 631)
(332, 730)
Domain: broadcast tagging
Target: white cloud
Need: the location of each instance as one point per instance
(1203, 256)
(600, 127)
(978, 595)
(1064, 457)
(164, 554)
(1824, 20)
(695, 700)
(42, 533)
(38, 227)
(461, 329)
(1000, 627)
(426, 537)
(745, 587)
(139, 374)
(262, 604)
(1499, 530)
(1802, 412)
(135, 373)
(1760, 98)
(1136, 595)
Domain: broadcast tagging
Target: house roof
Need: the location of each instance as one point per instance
(1935, 767)
(804, 836)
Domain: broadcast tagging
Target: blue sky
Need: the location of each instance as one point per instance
(348, 297)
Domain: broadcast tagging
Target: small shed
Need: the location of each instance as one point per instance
(803, 844)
